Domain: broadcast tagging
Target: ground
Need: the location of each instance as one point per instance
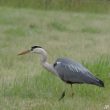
(25, 85)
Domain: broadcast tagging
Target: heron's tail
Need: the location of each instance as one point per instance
(99, 83)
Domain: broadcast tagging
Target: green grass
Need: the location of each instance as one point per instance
(93, 6)
(25, 85)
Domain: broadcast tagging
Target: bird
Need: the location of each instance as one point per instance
(68, 70)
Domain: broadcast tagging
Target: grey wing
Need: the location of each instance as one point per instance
(73, 72)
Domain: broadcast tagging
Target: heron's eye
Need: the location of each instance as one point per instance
(31, 49)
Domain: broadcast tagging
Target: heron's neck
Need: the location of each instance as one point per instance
(45, 64)
(43, 57)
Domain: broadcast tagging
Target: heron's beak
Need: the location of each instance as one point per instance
(24, 52)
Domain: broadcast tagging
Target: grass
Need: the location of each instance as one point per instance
(100, 6)
(25, 85)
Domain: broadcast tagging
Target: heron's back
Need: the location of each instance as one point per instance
(73, 72)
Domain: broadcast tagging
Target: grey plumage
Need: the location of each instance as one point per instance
(73, 72)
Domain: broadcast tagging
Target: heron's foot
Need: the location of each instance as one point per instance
(62, 96)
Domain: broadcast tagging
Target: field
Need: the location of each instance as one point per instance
(25, 85)
(92, 6)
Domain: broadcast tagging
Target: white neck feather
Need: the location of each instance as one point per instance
(43, 56)
(45, 64)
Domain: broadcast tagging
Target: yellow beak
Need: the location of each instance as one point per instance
(24, 52)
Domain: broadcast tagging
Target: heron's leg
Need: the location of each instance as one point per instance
(72, 93)
(62, 96)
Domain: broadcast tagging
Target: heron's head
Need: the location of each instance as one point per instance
(34, 49)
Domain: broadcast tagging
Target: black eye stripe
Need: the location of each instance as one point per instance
(33, 47)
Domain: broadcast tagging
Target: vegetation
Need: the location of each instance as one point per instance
(25, 85)
(69, 5)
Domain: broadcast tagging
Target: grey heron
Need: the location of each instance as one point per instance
(69, 71)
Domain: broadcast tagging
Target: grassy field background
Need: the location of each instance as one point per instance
(25, 85)
(92, 6)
